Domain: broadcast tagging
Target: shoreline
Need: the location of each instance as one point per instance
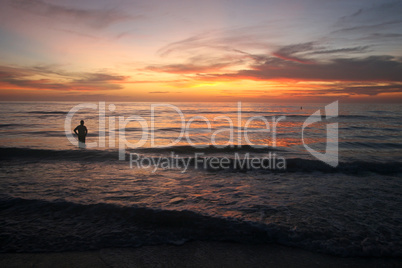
(194, 254)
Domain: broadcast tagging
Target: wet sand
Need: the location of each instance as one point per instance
(193, 254)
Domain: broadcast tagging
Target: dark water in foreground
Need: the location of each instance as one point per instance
(55, 196)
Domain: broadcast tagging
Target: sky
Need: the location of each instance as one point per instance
(211, 50)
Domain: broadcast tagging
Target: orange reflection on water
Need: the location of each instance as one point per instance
(223, 129)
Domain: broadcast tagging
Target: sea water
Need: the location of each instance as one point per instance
(57, 196)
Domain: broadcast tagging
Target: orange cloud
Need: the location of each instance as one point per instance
(26, 78)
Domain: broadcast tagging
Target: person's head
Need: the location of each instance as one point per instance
(82, 122)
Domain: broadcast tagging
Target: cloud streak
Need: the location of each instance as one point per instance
(359, 49)
(374, 68)
(289, 52)
(159, 92)
(296, 62)
(95, 18)
(292, 61)
(25, 78)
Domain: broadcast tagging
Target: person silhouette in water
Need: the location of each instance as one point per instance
(81, 131)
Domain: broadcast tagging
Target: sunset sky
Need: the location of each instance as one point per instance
(211, 50)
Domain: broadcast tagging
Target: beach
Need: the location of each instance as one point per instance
(192, 254)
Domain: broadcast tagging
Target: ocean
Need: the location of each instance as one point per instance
(187, 175)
